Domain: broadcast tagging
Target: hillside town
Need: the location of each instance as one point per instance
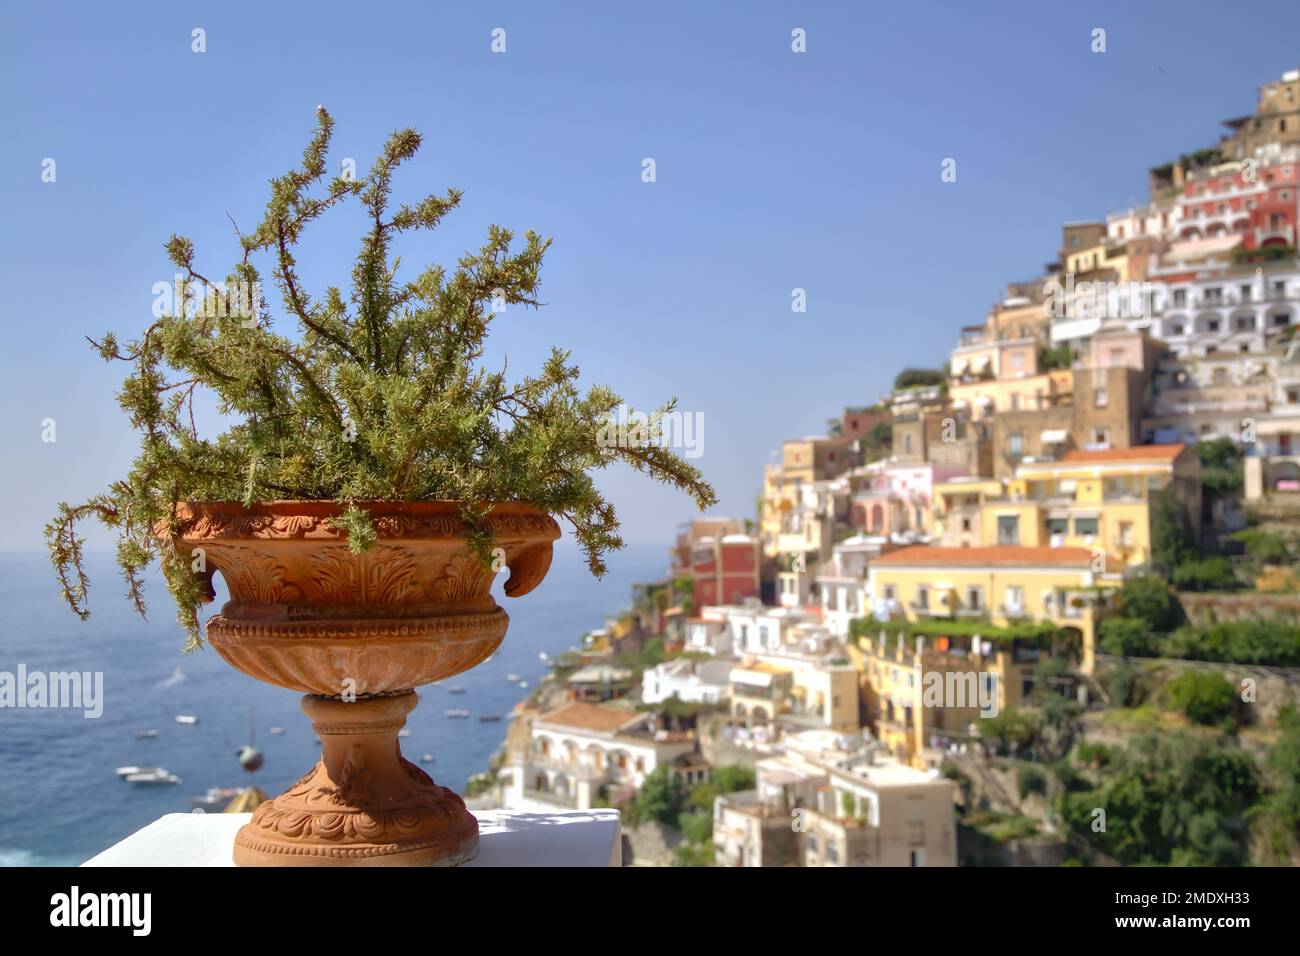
(1042, 585)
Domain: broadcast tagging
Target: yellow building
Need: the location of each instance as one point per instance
(988, 595)
(1098, 500)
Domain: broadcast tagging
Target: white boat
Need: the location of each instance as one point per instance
(543, 656)
(215, 799)
(403, 732)
(523, 684)
(513, 678)
(426, 758)
(146, 734)
(457, 712)
(186, 719)
(127, 771)
(277, 731)
(152, 777)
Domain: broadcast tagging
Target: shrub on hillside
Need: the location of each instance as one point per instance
(1203, 697)
(1205, 574)
(1123, 636)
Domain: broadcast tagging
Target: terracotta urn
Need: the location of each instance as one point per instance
(357, 633)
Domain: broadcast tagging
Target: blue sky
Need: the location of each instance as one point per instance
(774, 171)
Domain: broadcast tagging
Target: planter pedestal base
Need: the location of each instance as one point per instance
(362, 804)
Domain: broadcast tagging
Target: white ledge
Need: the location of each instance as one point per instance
(506, 838)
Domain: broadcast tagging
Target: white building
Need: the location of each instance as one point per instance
(581, 752)
(850, 803)
(693, 682)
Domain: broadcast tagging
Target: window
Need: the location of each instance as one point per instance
(1212, 325)
(889, 592)
(1180, 297)
(1100, 398)
(1057, 526)
(907, 444)
(1085, 526)
(1008, 530)
(922, 597)
(1015, 599)
(832, 854)
(1126, 533)
(1281, 319)
(1014, 443)
(974, 598)
(1245, 323)
(965, 522)
(1245, 293)
(812, 843)
(1101, 436)
(1293, 395)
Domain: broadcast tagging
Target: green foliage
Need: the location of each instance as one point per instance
(1030, 780)
(660, 797)
(1122, 636)
(1029, 633)
(381, 394)
(1059, 356)
(1221, 468)
(1011, 727)
(1147, 597)
(1203, 697)
(1173, 541)
(917, 377)
(1169, 798)
(1278, 814)
(693, 854)
(1271, 641)
(1266, 547)
(1093, 755)
(1125, 689)
(1205, 574)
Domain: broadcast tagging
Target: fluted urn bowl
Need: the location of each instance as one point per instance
(357, 633)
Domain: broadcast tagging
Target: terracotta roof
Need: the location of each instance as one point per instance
(590, 717)
(986, 557)
(1136, 453)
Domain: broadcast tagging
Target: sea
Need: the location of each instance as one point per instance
(61, 801)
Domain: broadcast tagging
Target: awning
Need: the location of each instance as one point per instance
(752, 678)
(1054, 436)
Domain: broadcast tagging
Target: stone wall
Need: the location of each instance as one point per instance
(1212, 608)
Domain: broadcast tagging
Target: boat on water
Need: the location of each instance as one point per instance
(277, 731)
(146, 734)
(403, 732)
(186, 719)
(523, 684)
(426, 758)
(455, 690)
(488, 718)
(127, 771)
(513, 678)
(152, 777)
(215, 799)
(543, 656)
(457, 712)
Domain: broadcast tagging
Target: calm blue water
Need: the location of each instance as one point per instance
(60, 801)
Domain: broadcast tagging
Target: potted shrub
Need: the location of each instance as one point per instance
(371, 480)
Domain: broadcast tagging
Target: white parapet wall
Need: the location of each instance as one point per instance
(506, 838)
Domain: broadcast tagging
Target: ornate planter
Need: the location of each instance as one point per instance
(357, 633)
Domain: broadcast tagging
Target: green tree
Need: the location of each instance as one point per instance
(913, 377)
(1147, 597)
(661, 798)
(1169, 798)
(1173, 539)
(1122, 636)
(1221, 467)
(1205, 574)
(1203, 697)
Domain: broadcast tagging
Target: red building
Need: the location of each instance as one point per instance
(1257, 202)
(725, 569)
